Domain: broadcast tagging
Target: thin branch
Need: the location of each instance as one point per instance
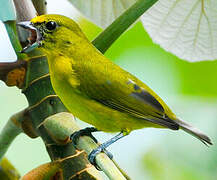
(25, 11)
(10, 131)
(114, 31)
(40, 6)
(60, 126)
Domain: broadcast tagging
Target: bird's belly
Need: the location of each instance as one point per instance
(97, 114)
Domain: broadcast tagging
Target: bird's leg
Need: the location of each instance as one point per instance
(83, 132)
(87, 132)
(102, 147)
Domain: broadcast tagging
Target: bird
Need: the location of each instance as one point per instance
(95, 89)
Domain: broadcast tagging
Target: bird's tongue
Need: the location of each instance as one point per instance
(32, 39)
(33, 36)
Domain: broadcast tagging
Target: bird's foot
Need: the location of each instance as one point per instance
(102, 147)
(83, 132)
(95, 152)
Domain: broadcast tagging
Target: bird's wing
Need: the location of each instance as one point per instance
(115, 88)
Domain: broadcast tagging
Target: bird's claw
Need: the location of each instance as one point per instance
(83, 132)
(95, 152)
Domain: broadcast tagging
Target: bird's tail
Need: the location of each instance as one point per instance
(194, 132)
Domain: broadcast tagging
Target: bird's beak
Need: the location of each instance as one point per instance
(35, 36)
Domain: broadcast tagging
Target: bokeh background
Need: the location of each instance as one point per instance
(190, 89)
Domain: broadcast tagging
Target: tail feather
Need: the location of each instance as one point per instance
(194, 132)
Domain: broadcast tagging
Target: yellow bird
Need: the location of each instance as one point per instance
(93, 88)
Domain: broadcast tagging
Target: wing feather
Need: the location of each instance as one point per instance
(164, 121)
(115, 88)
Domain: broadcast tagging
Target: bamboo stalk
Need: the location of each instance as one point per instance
(25, 12)
(62, 125)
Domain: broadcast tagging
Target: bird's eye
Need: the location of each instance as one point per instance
(51, 25)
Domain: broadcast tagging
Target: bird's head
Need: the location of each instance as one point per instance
(52, 32)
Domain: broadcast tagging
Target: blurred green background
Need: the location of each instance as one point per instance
(190, 89)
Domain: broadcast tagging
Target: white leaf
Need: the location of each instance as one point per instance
(102, 12)
(6, 49)
(187, 28)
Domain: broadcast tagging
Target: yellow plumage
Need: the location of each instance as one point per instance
(95, 89)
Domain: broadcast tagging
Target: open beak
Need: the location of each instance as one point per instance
(35, 36)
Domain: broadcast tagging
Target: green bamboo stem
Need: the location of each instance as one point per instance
(10, 131)
(12, 33)
(105, 39)
(62, 125)
(45, 103)
(39, 110)
(8, 16)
